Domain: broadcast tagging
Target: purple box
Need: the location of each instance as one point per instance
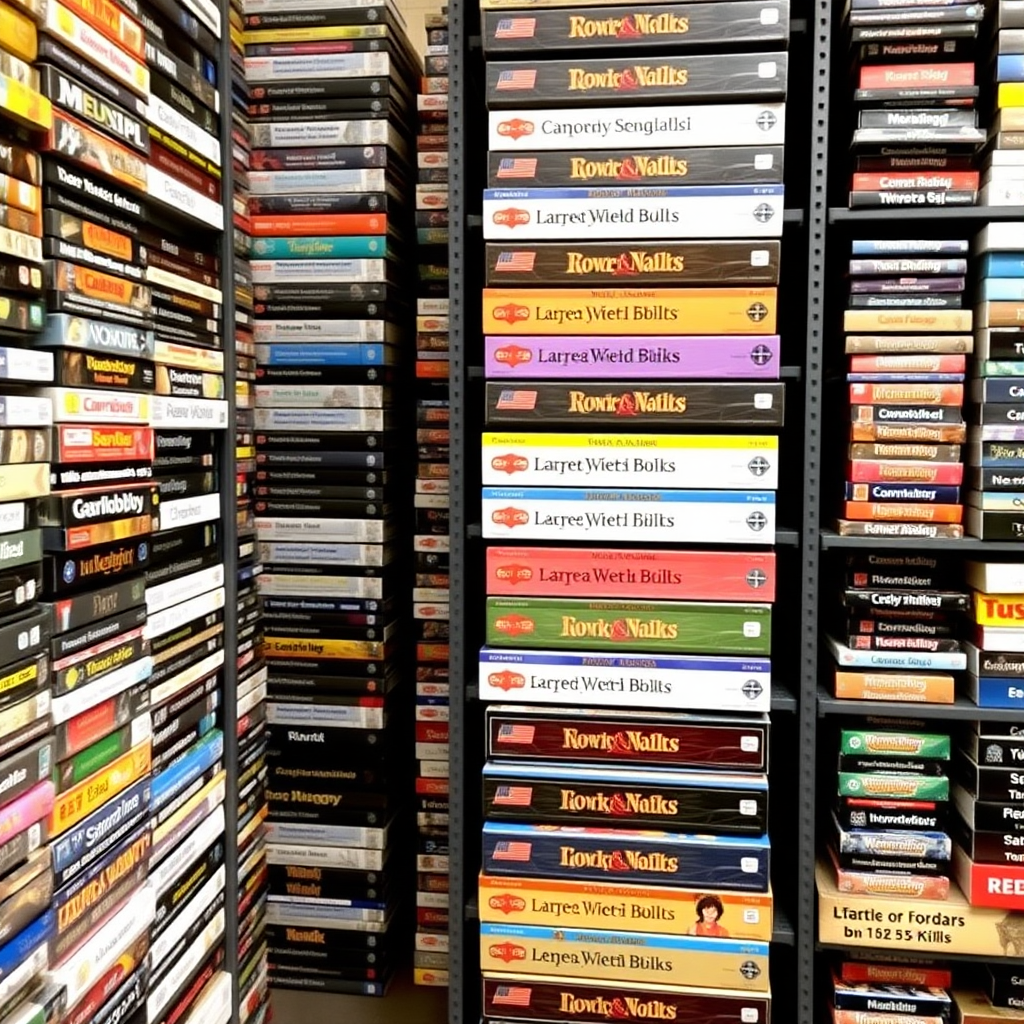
(668, 357)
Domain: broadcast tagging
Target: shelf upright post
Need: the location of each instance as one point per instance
(458, 665)
(228, 512)
(808, 580)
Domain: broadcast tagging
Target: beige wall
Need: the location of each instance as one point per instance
(414, 11)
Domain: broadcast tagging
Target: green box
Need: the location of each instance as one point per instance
(890, 786)
(895, 743)
(664, 627)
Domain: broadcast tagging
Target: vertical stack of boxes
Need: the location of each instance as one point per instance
(332, 98)
(996, 451)
(185, 591)
(988, 795)
(891, 818)
(907, 335)
(253, 874)
(915, 97)
(97, 528)
(1002, 164)
(27, 742)
(898, 630)
(995, 670)
(859, 998)
(622, 272)
(990, 803)
(430, 589)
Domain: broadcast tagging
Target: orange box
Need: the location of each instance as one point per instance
(902, 511)
(319, 224)
(630, 311)
(906, 394)
(108, 18)
(905, 687)
(942, 433)
(1001, 314)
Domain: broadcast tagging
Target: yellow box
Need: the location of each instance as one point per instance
(624, 956)
(1010, 94)
(999, 610)
(545, 901)
(25, 105)
(629, 311)
(78, 803)
(907, 321)
(255, 37)
(915, 927)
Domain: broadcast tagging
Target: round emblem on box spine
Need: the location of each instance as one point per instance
(752, 689)
(756, 578)
(750, 970)
(68, 572)
(757, 521)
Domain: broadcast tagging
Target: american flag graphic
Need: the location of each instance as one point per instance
(517, 167)
(516, 262)
(515, 28)
(515, 733)
(517, 401)
(522, 78)
(512, 850)
(513, 796)
(511, 995)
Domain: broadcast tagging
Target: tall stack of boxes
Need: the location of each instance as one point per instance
(907, 335)
(1002, 163)
(251, 690)
(996, 435)
(27, 741)
(916, 125)
(332, 115)
(430, 539)
(632, 218)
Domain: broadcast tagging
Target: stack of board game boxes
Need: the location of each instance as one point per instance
(994, 670)
(634, 187)
(132, 623)
(860, 996)
(907, 334)
(430, 538)
(915, 93)
(1002, 164)
(898, 632)
(988, 793)
(989, 800)
(332, 114)
(251, 690)
(27, 741)
(890, 832)
(995, 453)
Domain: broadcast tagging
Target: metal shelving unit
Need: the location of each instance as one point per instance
(794, 692)
(807, 552)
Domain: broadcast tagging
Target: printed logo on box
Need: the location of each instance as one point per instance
(515, 625)
(510, 463)
(508, 952)
(506, 680)
(511, 218)
(511, 312)
(507, 903)
(514, 574)
(513, 355)
(510, 517)
(516, 128)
